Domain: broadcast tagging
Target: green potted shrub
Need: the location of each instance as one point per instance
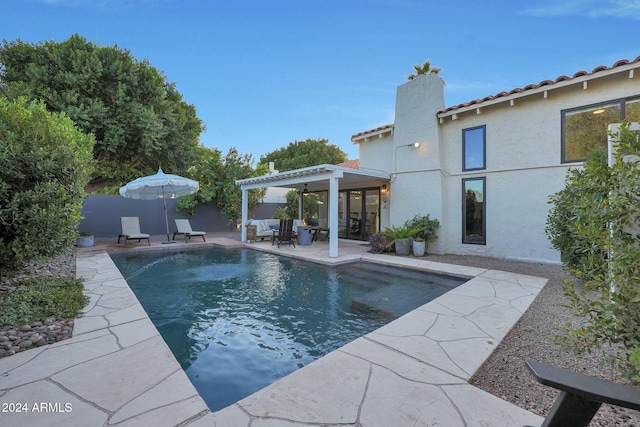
(400, 237)
(427, 232)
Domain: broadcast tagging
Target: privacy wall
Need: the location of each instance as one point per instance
(102, 215)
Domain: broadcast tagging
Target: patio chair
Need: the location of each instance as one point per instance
(285, 233)
(580, 395)
(184, 227)
(131, 230)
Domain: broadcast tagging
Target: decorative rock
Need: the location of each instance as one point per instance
(17, 338)
(25, 344)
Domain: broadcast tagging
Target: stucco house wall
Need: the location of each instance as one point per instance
(523, 158)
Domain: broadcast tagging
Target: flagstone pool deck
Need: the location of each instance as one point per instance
(116, 370)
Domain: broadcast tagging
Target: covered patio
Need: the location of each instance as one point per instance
(321, 178)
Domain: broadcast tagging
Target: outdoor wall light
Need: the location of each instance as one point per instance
(305, 192)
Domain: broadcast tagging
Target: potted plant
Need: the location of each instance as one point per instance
(85, 240)
(400, 237)
(378, 243)
(427, 232)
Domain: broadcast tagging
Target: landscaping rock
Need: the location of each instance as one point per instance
(18, 338)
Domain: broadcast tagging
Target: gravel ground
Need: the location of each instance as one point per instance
(504, 374)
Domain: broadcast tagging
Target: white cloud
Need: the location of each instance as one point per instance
(624, 9)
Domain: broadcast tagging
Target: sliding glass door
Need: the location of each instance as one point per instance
(358, 213)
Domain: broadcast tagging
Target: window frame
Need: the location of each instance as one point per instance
(563, 114)
(484, 211)
(484, 148)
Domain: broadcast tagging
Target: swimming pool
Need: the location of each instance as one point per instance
(238, 320)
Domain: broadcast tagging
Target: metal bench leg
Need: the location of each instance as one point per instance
(571, 410)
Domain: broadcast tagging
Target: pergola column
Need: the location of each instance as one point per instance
(245, 215)
(333, 216)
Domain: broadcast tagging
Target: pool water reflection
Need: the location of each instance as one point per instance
(238, 320)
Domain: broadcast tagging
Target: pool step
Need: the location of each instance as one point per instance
(396, 300)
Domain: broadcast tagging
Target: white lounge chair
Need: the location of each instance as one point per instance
(131, 230)
(184, 227)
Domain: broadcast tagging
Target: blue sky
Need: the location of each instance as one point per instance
(264, 73)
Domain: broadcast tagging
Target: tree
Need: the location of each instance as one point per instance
(571, 222)
(44, 164)
(217, 177)
(595, 223)
(139, 120)
(425, 68)
(309, 206)
(302, 154)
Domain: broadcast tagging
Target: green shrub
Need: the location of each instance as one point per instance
(575, 218)
(44, 164)
(595, 223)
(428, 228)
(402, 232)
(40, 297)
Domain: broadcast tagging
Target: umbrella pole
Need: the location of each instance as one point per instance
(166, 217)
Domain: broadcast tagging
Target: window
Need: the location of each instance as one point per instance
(473, 148)
(585, 128)
(473, 211)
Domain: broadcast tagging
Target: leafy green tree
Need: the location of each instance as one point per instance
(571, 222)
(217, 176)
(139, 120)
(45, 162)
(600, 243)
(425, 68)
(302, 154)
(309, 205)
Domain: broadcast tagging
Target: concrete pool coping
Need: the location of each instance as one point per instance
(117, 370)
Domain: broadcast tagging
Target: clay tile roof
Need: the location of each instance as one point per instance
(536, 86)
(371, 131)
(353, 164)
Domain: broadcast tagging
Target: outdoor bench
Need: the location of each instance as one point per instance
(580, 395)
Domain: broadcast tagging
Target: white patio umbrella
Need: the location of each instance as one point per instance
(162, 186)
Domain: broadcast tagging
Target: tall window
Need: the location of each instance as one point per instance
(473, 148)
(585, 128)
(473, 211)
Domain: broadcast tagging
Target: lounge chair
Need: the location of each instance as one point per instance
(184, 227)
(131, 230)
(285, 233)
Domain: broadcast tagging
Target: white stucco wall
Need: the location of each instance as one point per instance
(523, 159)
(416, 180)
(374, 153)
(523, 162)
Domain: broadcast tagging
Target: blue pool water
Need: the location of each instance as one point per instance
(238, 320)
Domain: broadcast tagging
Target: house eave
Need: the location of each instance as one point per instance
(543, 89)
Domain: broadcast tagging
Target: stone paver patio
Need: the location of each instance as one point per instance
(117, 370)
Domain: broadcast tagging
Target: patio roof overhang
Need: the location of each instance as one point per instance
(316, 178)
(324, 177)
